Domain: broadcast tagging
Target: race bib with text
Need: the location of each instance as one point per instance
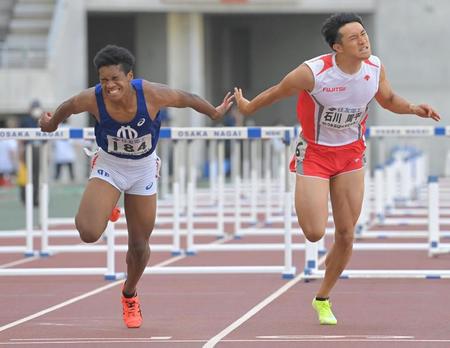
(133, 147)
(341, 117)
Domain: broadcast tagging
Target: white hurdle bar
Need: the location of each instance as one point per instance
(433, 247)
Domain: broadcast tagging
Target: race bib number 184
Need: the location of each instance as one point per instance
(133, 147)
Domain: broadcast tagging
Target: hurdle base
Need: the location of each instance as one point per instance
(110, 277)
(176, 253)
(115, 276)
(288, 275)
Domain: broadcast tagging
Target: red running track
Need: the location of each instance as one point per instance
(225, 310)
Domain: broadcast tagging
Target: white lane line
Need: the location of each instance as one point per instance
(19, 262)
(93, 292)
(147, 340)
(214, 340)
(58, 306)
(257, 338)
(49, 339)
(78, 298)
(342, 340)
(64, 343)
(334, 337)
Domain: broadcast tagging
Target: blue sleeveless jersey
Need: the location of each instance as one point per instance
(135, 139)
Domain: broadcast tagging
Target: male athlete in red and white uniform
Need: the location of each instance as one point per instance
(334, 93)
(333, 117)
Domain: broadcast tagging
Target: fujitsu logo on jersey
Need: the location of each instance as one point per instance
(334, 89)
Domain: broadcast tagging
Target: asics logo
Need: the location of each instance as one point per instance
(141, 122)
(148, 187)
(127, 132)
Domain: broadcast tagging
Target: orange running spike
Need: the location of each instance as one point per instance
(132, 315)
(115, 214)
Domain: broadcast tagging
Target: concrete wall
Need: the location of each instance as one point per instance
(276, 45)
(65, 73)
(412, 41)
(151, 46)
(411, 38)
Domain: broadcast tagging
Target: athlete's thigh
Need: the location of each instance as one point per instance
(98, 200)
(346, 193)
(140, 211)
(311, 203)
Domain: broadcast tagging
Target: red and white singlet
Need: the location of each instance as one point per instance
(333, 115)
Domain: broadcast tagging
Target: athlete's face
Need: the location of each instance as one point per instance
(354, 41)
(115, 83)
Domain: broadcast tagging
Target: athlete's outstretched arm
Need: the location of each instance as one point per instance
(393, 102)
(164, 96)
(82, 102)
(293, 83)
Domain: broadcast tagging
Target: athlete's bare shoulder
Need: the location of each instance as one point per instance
(154, 91)
(85, 101)
(155, 95)
(301, 78)
(161, 94)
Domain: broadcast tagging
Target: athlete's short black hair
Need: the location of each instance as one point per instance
(114, 55)
(331, 26)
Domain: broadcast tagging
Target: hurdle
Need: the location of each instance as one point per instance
(27, 249)
(436, 247)
(287, 269)
(405, 185)
(433, 245)
(237, 133)
(47, 249)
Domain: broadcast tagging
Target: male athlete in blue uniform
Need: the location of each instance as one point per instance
(127, 131)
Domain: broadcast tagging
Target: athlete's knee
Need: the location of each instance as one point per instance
(312, 231)
(138, 253)
(344, 237)
(139, 248)
(313, 235)
(89, 233)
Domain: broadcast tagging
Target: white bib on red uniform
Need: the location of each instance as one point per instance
(335, 112)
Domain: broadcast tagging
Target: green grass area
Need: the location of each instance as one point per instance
(64, 200)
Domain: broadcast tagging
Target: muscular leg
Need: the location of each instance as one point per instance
(346, 192)
(311, 205)
(140, 212)
(99, 199)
